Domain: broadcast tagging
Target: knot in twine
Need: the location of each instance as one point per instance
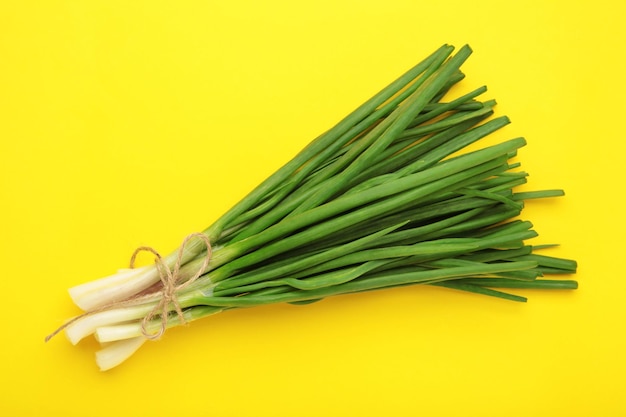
(169, 280)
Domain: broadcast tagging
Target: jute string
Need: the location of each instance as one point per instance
(169, 282)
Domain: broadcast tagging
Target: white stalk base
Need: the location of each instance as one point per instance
(88, 324)
(117, 332)
(117, 352)
(117, 287)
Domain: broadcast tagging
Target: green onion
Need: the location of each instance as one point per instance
(388, 197)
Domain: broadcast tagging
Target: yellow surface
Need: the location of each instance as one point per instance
(135, 123)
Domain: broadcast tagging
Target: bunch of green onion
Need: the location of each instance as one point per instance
(388, 197)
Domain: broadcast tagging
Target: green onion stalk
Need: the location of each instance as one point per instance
(388, 197)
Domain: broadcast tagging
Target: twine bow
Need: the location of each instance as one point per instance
(169, 280)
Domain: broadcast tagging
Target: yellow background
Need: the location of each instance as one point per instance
(128, 123)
